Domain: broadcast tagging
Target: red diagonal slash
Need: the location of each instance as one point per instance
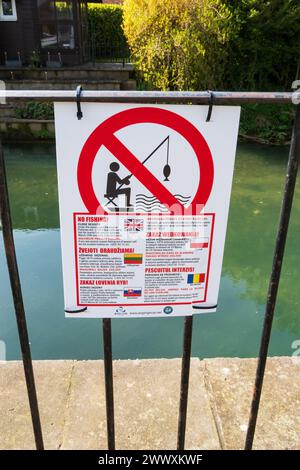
(135, 166)
(104, 134)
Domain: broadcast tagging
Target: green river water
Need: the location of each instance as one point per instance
(233, 331)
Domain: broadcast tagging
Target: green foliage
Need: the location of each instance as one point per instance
(225, 44)
(35, 110)
(35, 60)
(263, 47)
(268, 123)
(178, 45)
(105, 22)
(219, 44)
(63, 9)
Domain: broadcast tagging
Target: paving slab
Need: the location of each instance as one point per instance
(231, 380)
(146, 406)
(72, 404)
(52, 383)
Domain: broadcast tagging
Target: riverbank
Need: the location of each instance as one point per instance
(267, 124)
(72, 404)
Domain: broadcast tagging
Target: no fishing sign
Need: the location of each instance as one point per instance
(144, 193)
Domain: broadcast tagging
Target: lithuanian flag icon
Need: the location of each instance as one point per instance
(195, 278)
(133, 258)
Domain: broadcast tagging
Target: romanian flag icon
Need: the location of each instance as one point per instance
(195, 278)
(133, 258)
(132, 292)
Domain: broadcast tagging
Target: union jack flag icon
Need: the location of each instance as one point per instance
(133, 225)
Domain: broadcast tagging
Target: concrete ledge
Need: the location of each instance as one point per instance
(231, 382)
(14, 130)
(72, 404)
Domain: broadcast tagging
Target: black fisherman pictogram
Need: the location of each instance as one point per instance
(113, 179)
(143, 202)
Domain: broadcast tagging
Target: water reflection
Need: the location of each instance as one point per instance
(32, 177)
(254, 215)
(233, 331)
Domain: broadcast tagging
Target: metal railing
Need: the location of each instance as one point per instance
(205, 98)
(105, 51)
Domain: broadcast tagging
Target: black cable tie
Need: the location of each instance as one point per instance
(210, 106)
(83, 309)
(202, 307)
(78, 95)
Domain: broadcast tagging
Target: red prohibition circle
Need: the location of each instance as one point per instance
(105, 132)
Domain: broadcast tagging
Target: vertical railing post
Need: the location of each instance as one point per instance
(109, 391)
(184, 384)
(291, 175)
(18, 303)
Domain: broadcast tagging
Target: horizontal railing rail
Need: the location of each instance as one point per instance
(193, 97)
(109, 52)
(205, 98)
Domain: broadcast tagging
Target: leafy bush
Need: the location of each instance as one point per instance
(105, 23)
(228, 44)
(221, 44)
(34, 110)
(263, 47)
(267, 123)
(178, 44)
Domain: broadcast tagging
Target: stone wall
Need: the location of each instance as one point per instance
(91, 77)
(26, 130)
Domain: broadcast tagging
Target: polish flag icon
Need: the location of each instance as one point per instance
(200, 243)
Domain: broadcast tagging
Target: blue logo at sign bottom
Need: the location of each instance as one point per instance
(168, 310)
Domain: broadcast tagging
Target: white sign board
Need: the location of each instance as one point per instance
(144, 192)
